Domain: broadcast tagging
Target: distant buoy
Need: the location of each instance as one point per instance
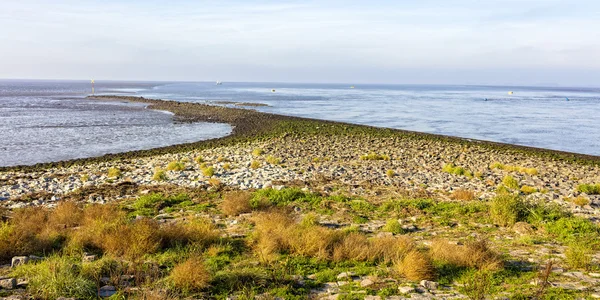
(351, 87)
(273, 90)
(510, 93)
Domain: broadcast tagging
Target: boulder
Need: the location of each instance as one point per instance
(8, 284)
(18, 260)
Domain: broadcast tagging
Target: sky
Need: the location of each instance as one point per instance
(497, 42)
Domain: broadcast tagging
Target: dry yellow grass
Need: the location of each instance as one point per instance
(199, 232)
(415, 266)
(190, 275)
(463, 195)
(476, 254)
(235, 203)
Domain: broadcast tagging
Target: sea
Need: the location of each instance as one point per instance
(43, 121)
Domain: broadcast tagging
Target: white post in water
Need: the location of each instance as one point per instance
(92, 86)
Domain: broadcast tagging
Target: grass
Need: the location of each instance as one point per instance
(191, 275)
(114, 173)
(176, 166)
(226, 166)
(160, 175)
(509, 168)
(235, 203)
(474, 254)
(528, 189)
(208, 172)
(258, 152)
(510, 182)
(460, 171)
(255, 164)
(415, 266)
(463, 195)
(199, 159)
(590, 189)
(390, 173)
(273, 160)
(375, 156)
(393, 226)
(507, 209)
(579, 200)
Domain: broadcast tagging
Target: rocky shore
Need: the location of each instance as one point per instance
(332, 159)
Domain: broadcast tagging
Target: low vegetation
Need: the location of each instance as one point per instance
(509, 168)
(375, 156)
(113, 173)
(590, 189)
(456, 170)
(176, 166)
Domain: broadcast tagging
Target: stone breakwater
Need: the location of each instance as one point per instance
(323, 164)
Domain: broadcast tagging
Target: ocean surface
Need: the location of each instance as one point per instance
(44, 121)
(566, 119)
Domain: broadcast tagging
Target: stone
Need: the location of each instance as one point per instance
(89, 257)
(345, 275)
(8, 284)
(371, 297)
(522, 228)
(18, 260)
(366, 282)
(106, 291)
(430, 285)
(406, 289)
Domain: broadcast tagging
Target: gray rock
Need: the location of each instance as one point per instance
(106, 291)
(8, 284)
(366, 282)
(406, 289)
(89, 257)
(18, 260)
(430, 285)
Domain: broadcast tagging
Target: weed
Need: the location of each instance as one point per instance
(510, 182)
(579, 200)
(226, 166)
(578, 256)
(463, 194)
(222, 159)
(415, 266)
(478, 285)
(257, 152)
(199, 160)
(590, 189)
(160, 175)
(273, 160)
(176, 166)
(114, 173)
(474, 254)
(85, 178)
(452, 169)
(390, 173)
(208, 172)
(528, 189)
(393, 226)
(235, 203)
(255, 164)
(507, 209)
(190, 275)
(375, 156)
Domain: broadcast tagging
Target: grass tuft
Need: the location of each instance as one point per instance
(255, 164)
(208, 172)
(257, 152)
(191, 275)
(235, 203)
(160, 175)
(176, 166)
(114, 173)
(416, 266)
(375, 156)
(590, 189)
(507, 209)
(463, 194)
(510, 182)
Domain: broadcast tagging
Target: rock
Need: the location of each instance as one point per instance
(430, 285)
(406, 289)
(8, 284)
(345, 275)
(18, 260)
(371, 297)
(89, 257)
(366, 282)
(106, 291)
(522, 228)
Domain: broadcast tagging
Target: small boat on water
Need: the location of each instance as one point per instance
(218, 83)
(272, 90)
(351, 86)
(510, 93)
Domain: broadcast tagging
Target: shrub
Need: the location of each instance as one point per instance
(56, 277)
(255, 164)
(590, 189)
(208, 172)
(257, 152)
(578, 256)
(393, 226)
(114, 173)
(510, 182)
(528, 189)
(176, 166)
(474, 254)
(198, 232)
(452, 169)
(507, 209)
(160, 175)
(463, 194)
(390, 173)
(132, 240)
(375, 156)
(415, 266)
(273, 160)
(235, 203)
(579, 200)
(190, 275)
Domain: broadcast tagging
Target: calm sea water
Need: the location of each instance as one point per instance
(42, 121)
(531, 116)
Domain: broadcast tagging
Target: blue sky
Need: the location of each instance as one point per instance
(542, 42)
